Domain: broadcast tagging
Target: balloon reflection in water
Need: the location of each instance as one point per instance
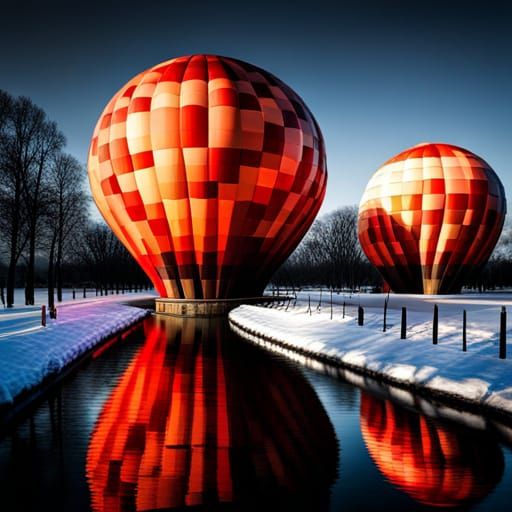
(199, 419)
(436, 464)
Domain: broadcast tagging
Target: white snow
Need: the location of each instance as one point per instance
(477, 375)
(30, 352)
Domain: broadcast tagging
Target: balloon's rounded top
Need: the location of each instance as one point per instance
(434, 150)
(209, 170)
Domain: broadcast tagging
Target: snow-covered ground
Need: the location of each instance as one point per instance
(477, 375)
(30, 352)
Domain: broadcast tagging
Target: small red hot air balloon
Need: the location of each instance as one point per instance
(210, 171)
(431, 216)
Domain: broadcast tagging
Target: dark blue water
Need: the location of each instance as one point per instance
(183, 414)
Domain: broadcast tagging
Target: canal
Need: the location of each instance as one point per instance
(182, 413)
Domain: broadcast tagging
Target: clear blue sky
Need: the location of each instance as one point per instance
(379, 76)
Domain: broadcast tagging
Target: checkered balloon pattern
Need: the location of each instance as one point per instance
(435, 463)
(430, 217)
(210, 171)
(189, 425)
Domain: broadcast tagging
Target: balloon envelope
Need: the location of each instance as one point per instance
(431, 216)
(209, 170)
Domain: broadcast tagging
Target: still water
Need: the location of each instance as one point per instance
(183, 414)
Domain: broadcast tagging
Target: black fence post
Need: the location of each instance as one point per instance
(73, 294)
(464, 340)
(360, 316)
(343, 309)
(435, 326)
(85, 293)
(309, 305)
(43, 315)
(384, 326)
(403, 328)
(331, 303)
(319, 307)
(503, 333)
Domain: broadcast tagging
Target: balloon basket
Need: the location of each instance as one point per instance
(209, 307)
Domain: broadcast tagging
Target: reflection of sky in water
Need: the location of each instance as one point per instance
(263, 425)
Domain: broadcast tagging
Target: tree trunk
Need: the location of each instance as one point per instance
(58, 268)
(11, 276)
(51, 289)
(13, 255)
(29, 278)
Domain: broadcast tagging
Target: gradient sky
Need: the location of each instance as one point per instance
(378, 76)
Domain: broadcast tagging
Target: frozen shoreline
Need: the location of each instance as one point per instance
(30, 353)
(477, 377)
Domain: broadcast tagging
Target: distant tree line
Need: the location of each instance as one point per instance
(47, 237)
(329, 256)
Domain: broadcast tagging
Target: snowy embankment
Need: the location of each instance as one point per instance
(29, 352)
(477, 376)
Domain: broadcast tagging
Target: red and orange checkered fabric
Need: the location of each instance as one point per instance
(190, 425)
(430, 216)
(210, 171)
(435, 463)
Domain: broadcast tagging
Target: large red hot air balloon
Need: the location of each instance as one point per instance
(436, 464)
(430, 216)
(199, 421)
(209, 170)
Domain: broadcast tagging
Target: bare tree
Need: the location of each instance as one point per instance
(18, 154)
(330, 254)
(65, 216)
(49, 141)
(107, 258)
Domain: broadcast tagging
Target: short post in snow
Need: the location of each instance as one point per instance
(73, 294)
(343, 309)
(331, 303)
(435, 326)
(360, 315)
(464, 324)
(309, 305)
(384, 325)
(403, 327)
(85, 292)
(503, 333)
(319, 307)
(43, 315)
(96, 291)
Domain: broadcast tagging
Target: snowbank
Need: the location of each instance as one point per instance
(476, 376)
(29, 354)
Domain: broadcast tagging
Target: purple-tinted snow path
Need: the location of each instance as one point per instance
(29, 352)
